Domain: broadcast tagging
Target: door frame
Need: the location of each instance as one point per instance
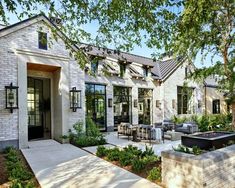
(44, 75)
(105, 98)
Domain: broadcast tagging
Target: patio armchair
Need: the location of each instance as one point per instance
(187, 128)
(124, 129)
(166, 125)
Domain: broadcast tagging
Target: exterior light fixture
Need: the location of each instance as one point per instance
(11, 97)
(199, 103)
(135, 103)
(158, 103)
(75, 99)
(110, 102)
(173, 103)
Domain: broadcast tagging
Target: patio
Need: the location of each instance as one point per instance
(123, 141)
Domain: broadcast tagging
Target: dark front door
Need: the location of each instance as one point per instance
(35, 108)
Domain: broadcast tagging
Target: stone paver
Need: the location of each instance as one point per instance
(122, 141)
(63, 165)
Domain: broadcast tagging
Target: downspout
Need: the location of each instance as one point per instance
(205, 101)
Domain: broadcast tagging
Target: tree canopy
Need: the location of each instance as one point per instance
(183, 27)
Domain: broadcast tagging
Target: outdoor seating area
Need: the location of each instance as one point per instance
(158, 132)
(140, 132)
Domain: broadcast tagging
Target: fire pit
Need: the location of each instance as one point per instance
(208, 140)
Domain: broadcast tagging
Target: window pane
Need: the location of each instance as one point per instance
(42, 40)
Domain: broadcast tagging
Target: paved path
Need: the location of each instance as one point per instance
(63, 165)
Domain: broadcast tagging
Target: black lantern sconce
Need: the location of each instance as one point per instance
(135, 103)
(11, 97)
(158, 103)
(199, 103)
(75, 99)
(110, 102)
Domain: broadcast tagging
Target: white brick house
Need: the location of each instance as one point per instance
(137, 89)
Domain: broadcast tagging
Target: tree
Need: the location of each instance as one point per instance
(183, 27)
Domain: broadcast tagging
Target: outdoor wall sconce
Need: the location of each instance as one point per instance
(75, 99)
(158, 103)
(199, 103)
(135, 103)
(110, 102)
(173, 103)
(11, 97)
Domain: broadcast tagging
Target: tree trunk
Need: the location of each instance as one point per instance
(233, 114)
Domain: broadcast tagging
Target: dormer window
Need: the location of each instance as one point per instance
(94, 66)
(146, 72)
(42, 40)
(122, 69)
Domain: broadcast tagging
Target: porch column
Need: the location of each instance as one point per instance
(23, 124)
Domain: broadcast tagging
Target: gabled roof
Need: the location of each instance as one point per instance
(161, 70)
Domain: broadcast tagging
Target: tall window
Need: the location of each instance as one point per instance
(96, 104)
(145, 97)
(145, 72)
(216, 106)
(94, 66)
(121, 104)
(184, 100)
(42, 40)
(122, 69)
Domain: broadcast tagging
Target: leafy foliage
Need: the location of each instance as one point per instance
(101, 151)
(212, 122)
(155, 174)
(194, 150)
(89, 137)
(18, 173)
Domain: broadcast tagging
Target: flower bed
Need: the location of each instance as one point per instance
(142, 163)
(16, 172)
(84, 138)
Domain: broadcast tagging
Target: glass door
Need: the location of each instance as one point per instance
(145, 105)
(96, 104)
(35, 108)
(121, 105)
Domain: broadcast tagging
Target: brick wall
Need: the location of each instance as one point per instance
(214, 169)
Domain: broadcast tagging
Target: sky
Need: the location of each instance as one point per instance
(143, 50)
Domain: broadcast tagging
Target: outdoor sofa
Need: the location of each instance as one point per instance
(187, 127)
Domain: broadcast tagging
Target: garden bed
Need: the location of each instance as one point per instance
(142, 163)
(15, 171)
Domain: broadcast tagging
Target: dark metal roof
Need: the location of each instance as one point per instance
(160, 69)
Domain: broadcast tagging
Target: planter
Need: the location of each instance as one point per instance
(212, 169)
(208, 140)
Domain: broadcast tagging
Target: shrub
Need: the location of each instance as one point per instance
(154, 174)
(113, 154)
(125, 158)
(102, 151)
(138, 165)
(148, 151)
(150, 159)
(194, 150)
(18, 173)
(133, 150)
(90, 137)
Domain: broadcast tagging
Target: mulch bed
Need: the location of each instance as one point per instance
(3, 172)
(4, 182)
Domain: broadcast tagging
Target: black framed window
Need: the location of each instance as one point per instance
(122, 105)
(184, 96)
(96, 104)
(216, 106)
(42, 40)
(145, 97)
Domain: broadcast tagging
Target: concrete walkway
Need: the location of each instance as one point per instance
(63, 165)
